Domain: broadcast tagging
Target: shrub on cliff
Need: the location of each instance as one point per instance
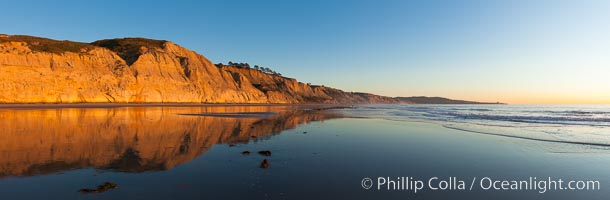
(130, 48)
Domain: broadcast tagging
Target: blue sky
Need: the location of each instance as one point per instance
(511, 51)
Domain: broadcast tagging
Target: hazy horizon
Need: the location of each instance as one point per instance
(516, 52)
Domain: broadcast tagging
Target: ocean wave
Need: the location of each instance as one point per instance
(532, 119)
(533, 138)
(510, 114)
(576, 112)
(472, 109)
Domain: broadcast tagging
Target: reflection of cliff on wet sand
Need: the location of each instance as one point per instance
(129, 139)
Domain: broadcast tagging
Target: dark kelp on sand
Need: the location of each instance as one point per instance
(264, 164)
(100, 188)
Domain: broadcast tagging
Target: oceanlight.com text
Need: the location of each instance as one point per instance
(540, 185)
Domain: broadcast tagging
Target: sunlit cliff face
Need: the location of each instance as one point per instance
(143, 71)
(130, 139)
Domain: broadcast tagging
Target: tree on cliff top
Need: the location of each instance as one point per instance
(266, 70)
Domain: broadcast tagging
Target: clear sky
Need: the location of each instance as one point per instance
(541, 51)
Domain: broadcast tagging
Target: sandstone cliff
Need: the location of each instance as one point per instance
(137, 70)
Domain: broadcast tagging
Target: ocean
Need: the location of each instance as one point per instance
(571, 124)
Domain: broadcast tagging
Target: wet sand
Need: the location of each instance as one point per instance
(158, 153)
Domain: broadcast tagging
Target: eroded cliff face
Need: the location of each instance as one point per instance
(130, 139)
(136, 70)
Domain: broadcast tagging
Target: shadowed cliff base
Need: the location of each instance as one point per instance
(132, 139)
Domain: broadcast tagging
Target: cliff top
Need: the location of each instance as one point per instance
(127, 48)
(46, 45)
